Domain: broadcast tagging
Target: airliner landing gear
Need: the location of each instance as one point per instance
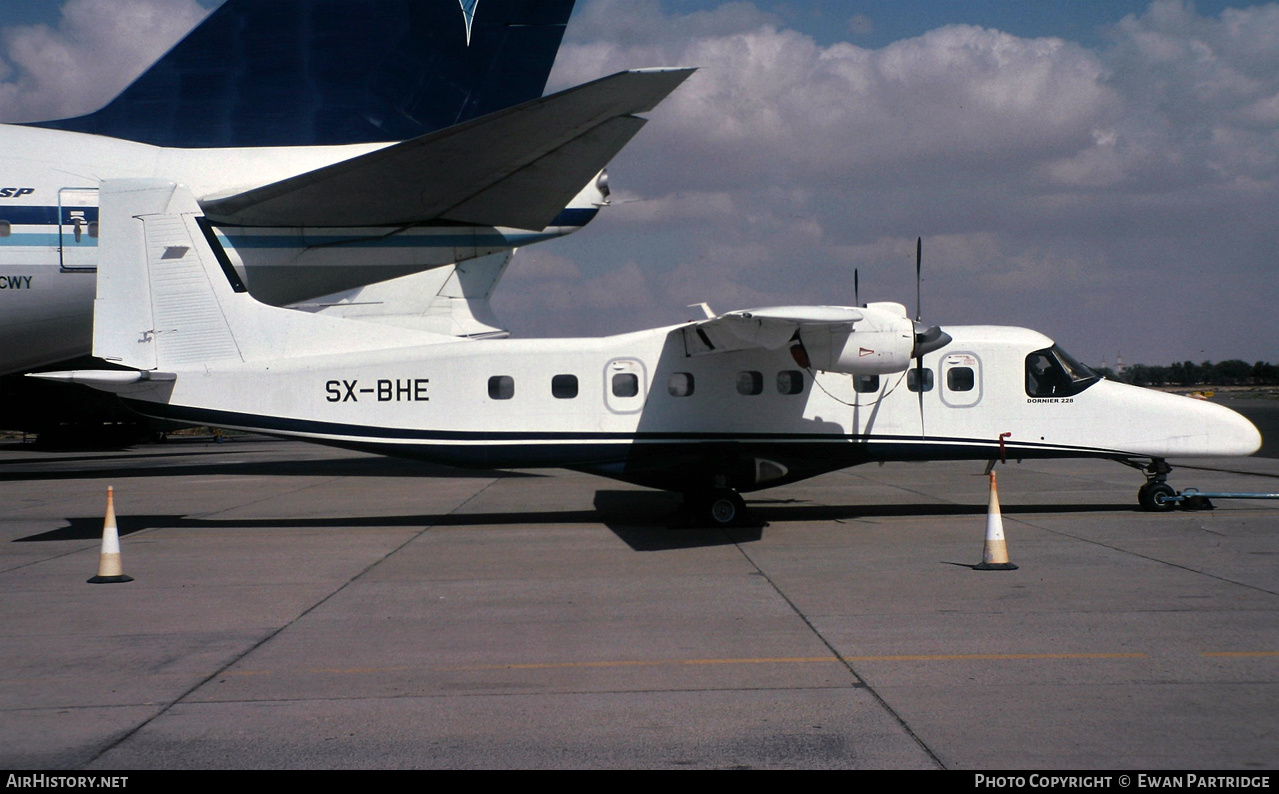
(1157, 495)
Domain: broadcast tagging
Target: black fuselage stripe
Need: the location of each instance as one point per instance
(351, 434)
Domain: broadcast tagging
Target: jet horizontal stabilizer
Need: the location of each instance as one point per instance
(517, 167)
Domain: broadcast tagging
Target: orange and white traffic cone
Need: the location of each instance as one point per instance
(994, 556)
(110, 569)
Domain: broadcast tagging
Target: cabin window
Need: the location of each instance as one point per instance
(865, 384)
(750, 382)
(501, 387)
(790, 381)
(680, 384)
(1052, 372)
(625, 384)
(564, 387)
(93, 230)
(5, 229)
(914, 379)
(960, 379)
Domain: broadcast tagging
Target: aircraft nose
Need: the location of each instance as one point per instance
(1233, 434)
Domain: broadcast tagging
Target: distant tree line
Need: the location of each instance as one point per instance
(1187, 373)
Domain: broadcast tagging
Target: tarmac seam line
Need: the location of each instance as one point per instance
(843, 661)
(272, 634)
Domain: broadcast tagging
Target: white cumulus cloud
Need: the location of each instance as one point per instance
(1099, 195)
(97, 48)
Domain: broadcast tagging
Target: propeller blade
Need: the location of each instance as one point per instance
(919, 259)
(919, 355)
(919, 388)
(857, 300)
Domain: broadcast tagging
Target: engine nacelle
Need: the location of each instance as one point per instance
(879, 344)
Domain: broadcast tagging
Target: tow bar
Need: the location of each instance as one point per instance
(1195, 499)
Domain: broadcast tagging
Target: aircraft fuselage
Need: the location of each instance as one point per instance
(49, 182)
(638, 408)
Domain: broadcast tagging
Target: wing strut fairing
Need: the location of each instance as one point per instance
(517, 167)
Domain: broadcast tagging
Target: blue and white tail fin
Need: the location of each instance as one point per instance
(169, 300)
(304, 73)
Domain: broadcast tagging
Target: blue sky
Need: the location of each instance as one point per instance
(1104, 172)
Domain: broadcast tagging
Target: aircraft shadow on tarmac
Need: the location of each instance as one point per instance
(187, 464)
(644, 520)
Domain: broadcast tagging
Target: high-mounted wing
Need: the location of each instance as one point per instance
(517, 167)
(876, 339)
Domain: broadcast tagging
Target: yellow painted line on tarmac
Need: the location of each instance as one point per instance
(994, 657)
(955, 657)
(781, 660)
(652, 663)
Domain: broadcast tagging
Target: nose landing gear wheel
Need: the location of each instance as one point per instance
(1156, 497)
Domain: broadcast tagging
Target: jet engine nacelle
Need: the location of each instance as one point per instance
(881, 343)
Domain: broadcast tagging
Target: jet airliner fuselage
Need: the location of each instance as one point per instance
(49, 232)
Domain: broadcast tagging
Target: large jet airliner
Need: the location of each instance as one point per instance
(330, 145)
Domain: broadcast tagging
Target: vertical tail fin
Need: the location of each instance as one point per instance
(168, 298)
(158, 304)
(303, 73)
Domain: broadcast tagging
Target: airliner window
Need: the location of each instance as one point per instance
(865, 384)
(93, 230)
(790, 381)
(625, 384)
(1052, 372)
(749, 383)
(960, 379)
(501, 387)
(913, 380)
(564, 387)
(5, 229)
(680, 384)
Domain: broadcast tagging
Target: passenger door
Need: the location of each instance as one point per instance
(78, 228)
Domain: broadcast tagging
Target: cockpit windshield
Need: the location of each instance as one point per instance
(1052, 372)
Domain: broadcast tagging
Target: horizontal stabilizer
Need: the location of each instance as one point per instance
(117, 381)
(517, 167)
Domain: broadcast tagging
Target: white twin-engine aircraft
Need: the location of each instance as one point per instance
(714, 407)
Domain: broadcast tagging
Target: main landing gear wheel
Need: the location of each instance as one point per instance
(725, 508)
(1156, 497)
(715, 507)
